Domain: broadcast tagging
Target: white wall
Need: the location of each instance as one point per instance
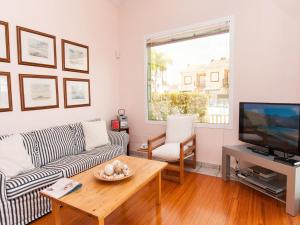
(92, 22)
(266, 57)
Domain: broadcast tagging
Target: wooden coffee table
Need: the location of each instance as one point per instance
(98, 199)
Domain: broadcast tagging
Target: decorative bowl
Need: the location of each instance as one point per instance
(100, 175)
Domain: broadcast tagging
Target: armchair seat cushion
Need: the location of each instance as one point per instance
(169, 152)
(31, 181)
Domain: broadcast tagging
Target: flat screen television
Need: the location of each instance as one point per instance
(271, 125)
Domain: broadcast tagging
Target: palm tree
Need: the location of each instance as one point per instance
(158, 63)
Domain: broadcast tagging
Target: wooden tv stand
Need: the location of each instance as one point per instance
(292, 173)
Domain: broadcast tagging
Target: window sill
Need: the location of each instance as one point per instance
(197, 125)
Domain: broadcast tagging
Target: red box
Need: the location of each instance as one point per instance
(115, 125)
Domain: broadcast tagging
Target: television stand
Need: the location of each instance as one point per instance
(260, 150)
(288, 161)
(292, 173)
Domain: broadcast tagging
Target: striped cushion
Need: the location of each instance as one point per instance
(55, 143)
(3, 201)
(103, 153)
(73, 165)
(31, 146)
(30, 181)
(4, 136)
(2, 186)
(106, 151)
(79, 137)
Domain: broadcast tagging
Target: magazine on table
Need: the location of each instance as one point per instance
(61, 188)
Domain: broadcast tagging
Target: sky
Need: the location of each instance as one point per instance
(193, 52)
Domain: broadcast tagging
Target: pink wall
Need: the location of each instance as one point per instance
(266, 57)
(92, 22)
(266, 51)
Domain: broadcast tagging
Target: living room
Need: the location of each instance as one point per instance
(254, 50)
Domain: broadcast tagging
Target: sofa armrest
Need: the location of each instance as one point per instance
(119, 138)
(4, 212)
(2, 187)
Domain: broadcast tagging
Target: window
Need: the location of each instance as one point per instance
(214, 76)
(189, 72)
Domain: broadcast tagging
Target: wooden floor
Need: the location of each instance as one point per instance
(201, 200)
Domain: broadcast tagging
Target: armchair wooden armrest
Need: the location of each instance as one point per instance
(185, 142)
(188, 140)
(157, 138)
(188, 152)
(151, 142)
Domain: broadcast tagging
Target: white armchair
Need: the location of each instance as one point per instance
(175, 145)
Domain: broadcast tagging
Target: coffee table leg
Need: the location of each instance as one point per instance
(56, 213)
(100, 221)
(158, 188)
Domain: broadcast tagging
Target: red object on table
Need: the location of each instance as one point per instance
(115, 125)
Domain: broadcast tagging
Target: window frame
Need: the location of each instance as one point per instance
(230, 19)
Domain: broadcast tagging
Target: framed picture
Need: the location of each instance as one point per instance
(77, 92)
(214, 76)
(38, 92)
(188, 80)
(4, 42)
(36, 48)
(75, 57)
(5, 92)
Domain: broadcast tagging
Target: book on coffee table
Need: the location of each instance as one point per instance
(61, 188)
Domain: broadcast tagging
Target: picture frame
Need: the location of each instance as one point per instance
(4, 42)
(38, 92)
(214, 76)
(75, 57)
(5, 92)
(36, 48)
(188, 80)
(77, 92)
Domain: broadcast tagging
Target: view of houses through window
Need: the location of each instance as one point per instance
(190, 76)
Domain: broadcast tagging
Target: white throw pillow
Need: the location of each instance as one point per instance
(14, 158)
(95, 134)
(179, 128)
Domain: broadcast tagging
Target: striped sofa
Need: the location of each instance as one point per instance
(56, 152)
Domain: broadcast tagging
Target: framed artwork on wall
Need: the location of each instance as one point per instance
(38, 92)
(75, 57)
(5, 92)
(214, 76)
(4, 42)
(77, 92)
(36, 48)
(188, 80)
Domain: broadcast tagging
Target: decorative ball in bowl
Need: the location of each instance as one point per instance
(114, 171)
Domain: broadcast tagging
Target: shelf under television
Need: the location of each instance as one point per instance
(281, 198)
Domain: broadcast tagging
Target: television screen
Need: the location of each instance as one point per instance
(275, 126)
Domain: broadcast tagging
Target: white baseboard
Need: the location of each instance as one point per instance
(201, 167)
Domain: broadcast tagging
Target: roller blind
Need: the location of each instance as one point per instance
(190, 34)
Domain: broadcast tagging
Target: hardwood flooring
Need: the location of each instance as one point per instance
(201, 200)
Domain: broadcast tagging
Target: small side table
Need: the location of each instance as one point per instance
(127, 131)
(142, 149)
